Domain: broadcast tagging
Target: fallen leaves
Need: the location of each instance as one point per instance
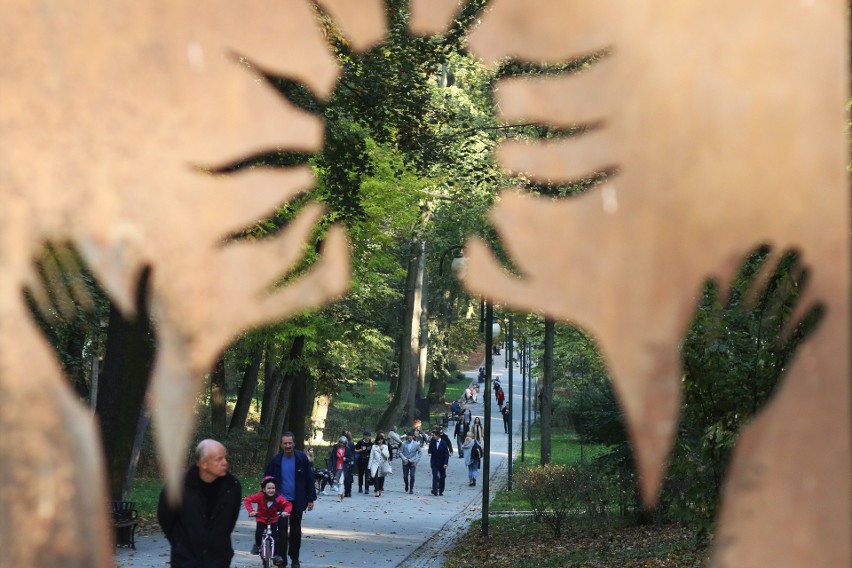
(520, 542)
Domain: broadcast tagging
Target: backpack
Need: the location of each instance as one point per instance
(474, 451)
(455, 407)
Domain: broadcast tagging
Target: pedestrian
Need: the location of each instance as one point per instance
(506, 417)
(439, 453)
(465, 417)
(459, 433)
(500, 396)
(445, 439)
(394, 442)
(321, 474)
(362, 451)
(475, 390)
(472, 455)
(198, 526)
(269, 508)
(294, 479)
(350, 467)
(477, 429)
(379, 461)
(338, 460)
(410, 454)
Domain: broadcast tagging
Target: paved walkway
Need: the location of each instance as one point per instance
(396, 529)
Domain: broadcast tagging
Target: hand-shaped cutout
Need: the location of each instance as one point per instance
(110, 112)
(724, 121)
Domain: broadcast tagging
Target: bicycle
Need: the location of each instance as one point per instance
(267, 546)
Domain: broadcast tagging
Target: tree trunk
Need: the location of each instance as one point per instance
(130, 348)
(440, 369)
(138, 441)
(270, 385)
(409, 346)
(247, 388)
(419, 336)
(218, 393)
(298, 411)
(318, 417)
(282, 404)
(424, 333)
(547, 391)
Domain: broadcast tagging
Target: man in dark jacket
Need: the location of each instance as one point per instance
(294, 478)
(362, 455)
(199, 528)
(439, 450)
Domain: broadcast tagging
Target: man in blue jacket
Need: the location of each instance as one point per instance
(439, 451)
(294, 478)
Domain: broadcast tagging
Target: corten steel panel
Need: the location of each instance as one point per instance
(108, 113)
(725, 122)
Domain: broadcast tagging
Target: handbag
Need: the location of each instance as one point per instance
(387, 468)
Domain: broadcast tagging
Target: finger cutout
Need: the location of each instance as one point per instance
(558, 100)
(362, 22)
(559, 161)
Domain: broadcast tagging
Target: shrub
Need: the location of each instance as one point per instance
(552, 491)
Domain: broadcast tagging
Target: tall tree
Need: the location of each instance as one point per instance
(248, 385)
(546, 392)
(218, 395)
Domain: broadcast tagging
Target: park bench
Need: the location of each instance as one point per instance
(125, 518)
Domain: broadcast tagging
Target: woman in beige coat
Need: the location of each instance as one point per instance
(378, 456)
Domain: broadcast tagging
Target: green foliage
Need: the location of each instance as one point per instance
(734, 355)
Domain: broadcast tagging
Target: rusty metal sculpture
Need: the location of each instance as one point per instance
(725, 123)
(723, 118)
(110, 114)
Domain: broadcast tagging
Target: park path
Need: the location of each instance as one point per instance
(396, 529)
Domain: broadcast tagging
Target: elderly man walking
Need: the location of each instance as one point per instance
(199, 527)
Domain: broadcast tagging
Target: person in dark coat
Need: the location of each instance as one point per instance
(199, 527)
(439, 452)
(294, 478)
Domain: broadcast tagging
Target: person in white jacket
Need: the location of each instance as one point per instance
(378, 456)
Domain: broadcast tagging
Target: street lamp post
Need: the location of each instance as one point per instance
(523, 395)
(529, 391)
(486, 454)
(510, 347)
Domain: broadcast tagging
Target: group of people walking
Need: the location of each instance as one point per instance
(370, 461)
(199, 525)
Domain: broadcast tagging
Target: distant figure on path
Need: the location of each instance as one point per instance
(500, 396)
(394, 442)
(440, 459)
(379, 456)
(506, 417)
(472, 455)
(362, 453)
(459, 433)
(199, 528)
(410, 453)
(294, 478)
(477, 430)
(338, 462)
